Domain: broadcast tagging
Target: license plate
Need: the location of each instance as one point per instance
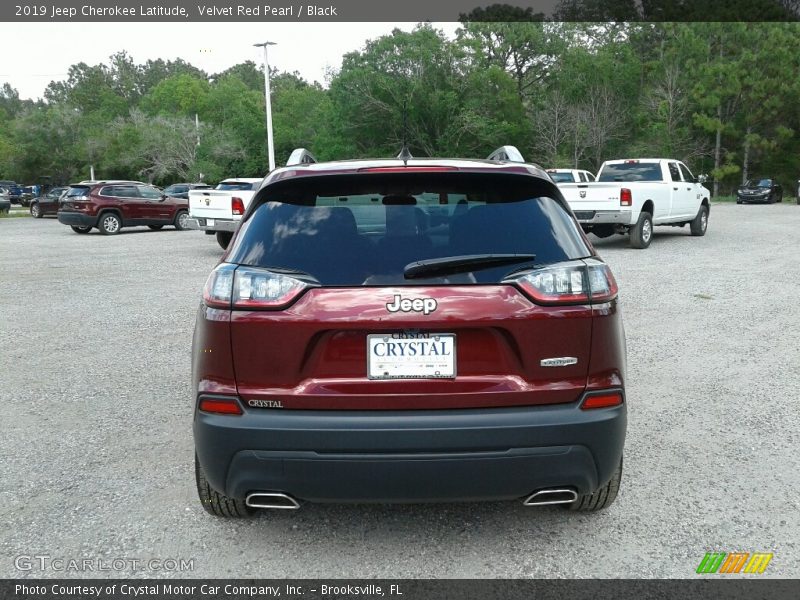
(209, 221)
(420, 357)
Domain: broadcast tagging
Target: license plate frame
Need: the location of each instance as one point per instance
(438, 366)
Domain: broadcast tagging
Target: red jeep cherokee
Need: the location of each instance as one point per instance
(112, 205)
(408, 331)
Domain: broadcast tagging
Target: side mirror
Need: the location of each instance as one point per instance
(163, 197)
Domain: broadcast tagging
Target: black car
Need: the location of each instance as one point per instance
(47, 204)
(763, 190)
(181, 190)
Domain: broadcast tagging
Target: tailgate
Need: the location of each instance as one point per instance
(211, 204)
(591, 196)
(314, 355)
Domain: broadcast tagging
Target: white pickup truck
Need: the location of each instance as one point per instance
(633, 195)
(220, 210)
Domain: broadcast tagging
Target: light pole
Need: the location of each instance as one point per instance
(270, 147)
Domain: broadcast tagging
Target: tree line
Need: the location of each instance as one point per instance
(720, 96)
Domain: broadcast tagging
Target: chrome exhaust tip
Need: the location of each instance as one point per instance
(277, 500)
(554, 496)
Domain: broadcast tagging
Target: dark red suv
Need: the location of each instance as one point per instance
(408, 331)
(112, 205)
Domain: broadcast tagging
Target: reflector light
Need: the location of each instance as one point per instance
(221, 406)
(605, 400)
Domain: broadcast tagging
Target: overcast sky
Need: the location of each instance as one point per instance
(33, 54)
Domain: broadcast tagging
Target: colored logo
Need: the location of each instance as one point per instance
(734, 562)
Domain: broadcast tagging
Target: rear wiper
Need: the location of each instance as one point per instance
(450, 265)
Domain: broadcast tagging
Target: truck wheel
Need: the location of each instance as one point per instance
(700, 222)
(224, 238)
(642, 232)
(215, 503)
(602, 498)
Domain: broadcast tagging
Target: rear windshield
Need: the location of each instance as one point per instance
(235, 186)
(631, 172)
(561, 177)
(77, 190)
(364, 230)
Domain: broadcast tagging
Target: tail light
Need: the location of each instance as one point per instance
(579, 282)
(250, 288)
(602, 400)
(625, 197)
(237, 206)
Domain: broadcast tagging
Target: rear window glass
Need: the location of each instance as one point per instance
(364, 230)
(631, 172)
(561, 177)
(77, 190)
(235, 186)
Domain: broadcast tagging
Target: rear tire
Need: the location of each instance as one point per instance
(215, 503)
(642, 232)
(700, 222)
(602, 498)
(155, 227)
(77, 229)
(109, 224)
(224, 239)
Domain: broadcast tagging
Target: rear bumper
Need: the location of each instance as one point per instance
(218, 224)
(410, 456)
(592, 217)
(77, 219)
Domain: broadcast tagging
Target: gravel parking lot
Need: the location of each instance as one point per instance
(96, 446)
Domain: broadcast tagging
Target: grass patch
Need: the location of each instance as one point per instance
(14, 215)
(724, 199)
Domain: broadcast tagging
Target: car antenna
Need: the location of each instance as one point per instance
(405, 153)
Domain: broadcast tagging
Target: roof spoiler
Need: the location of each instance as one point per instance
(300, 156)
(506, 154)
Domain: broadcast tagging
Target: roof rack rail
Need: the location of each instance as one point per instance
(300, 156)
(506, 153)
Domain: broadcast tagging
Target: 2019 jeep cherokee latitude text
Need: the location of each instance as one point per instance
(381, 331)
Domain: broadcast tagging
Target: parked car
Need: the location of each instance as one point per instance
(570, 175)
(346, 350)
(632, 195)
(181, 190)
(218, 211)
(763, 190)
(47, 204)
(14, 190)
(111, 205)
(5, 202)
